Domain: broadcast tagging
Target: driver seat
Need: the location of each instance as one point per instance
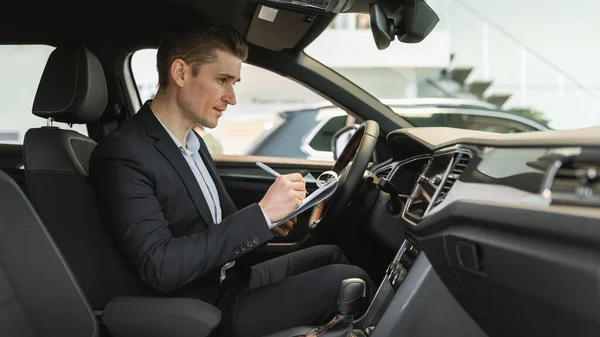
(73, 90)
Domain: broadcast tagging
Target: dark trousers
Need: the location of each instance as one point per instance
(296, 289)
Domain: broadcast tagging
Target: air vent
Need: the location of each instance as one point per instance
(575, 182)
(461, 160)
(434, 182)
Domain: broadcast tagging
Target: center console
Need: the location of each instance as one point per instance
(412, 301)
(395, 274)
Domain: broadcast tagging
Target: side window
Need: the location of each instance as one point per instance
(272, 117)
(21, 67)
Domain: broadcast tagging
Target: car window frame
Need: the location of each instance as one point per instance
(327, 113)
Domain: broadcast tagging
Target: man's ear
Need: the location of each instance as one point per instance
(178, 72)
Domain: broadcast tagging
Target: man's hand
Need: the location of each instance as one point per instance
(284, 228)
(285, 195)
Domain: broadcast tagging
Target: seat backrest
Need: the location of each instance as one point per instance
(73, 90)
(38, 295)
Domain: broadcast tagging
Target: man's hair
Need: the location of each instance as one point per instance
(196, 43)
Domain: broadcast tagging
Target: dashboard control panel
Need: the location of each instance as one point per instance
(398, 269)
(433, 183)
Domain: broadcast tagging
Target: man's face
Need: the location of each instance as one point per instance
(205, 97)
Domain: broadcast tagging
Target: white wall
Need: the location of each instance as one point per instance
(566, 39)
(565, 32)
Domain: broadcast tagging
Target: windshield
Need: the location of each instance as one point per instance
(485, 66)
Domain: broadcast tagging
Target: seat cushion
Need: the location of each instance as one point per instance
(157, 317)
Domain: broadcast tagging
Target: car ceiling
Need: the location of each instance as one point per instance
(132, 23)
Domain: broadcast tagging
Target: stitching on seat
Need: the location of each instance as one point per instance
(74, 93)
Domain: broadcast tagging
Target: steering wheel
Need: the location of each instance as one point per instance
(350, 168)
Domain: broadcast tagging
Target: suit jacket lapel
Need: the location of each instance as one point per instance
(168, 148)
(227, 205)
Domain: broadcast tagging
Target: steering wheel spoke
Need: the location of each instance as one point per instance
(350, 167)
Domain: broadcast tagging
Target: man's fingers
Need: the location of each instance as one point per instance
(288, 225)
(300, 195)
(295, 177)
(298, 186)
(283, 229)
(278, 231)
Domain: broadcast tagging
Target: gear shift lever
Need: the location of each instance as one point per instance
(352, 290)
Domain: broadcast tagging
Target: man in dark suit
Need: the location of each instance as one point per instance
(161, 196)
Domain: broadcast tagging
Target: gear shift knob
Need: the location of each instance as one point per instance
(350, 292)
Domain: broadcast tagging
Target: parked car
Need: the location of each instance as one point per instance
(314, 127)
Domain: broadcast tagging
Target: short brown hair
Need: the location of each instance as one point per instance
(196, 42)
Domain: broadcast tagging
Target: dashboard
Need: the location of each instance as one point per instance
(510, 223)
(487, 170)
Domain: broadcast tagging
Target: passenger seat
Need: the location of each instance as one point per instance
(38, 295)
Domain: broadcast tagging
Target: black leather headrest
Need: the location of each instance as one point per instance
(72, 88)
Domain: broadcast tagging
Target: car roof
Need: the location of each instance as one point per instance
(430, 106)
(440, 102)
(137, 24)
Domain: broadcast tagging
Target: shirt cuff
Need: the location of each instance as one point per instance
(271, 225)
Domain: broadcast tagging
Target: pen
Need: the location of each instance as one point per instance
(268, 169)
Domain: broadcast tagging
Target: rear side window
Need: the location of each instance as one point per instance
(21, 67)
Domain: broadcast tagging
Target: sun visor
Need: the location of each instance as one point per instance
(327, 6)
(277, 29)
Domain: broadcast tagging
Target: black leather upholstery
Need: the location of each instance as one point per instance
(72, 88)
(56, 172)
(63, 150)
(38, 296)
(158, 317)
(56, 163)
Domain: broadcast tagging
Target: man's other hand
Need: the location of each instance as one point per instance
(285, 195)
(284, 228)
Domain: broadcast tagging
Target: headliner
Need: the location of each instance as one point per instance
(131, 23)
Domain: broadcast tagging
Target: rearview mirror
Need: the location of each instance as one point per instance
(411, 24)
(341, 138)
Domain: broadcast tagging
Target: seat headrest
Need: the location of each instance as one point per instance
(72, 88)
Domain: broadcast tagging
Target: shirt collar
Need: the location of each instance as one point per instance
(193, 144)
